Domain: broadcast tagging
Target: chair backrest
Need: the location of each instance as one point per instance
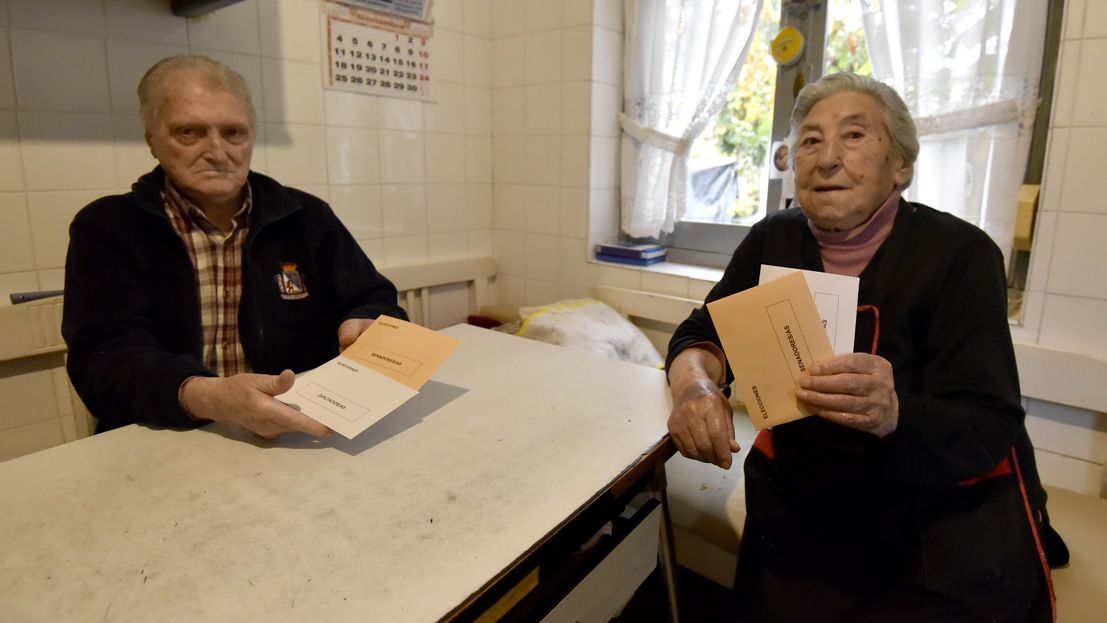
(31, 329)
(439, 294)
(32, 358)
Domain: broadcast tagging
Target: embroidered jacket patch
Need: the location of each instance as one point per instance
(290, 282)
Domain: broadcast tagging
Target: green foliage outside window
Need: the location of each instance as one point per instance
(846, 49)
(743, 128)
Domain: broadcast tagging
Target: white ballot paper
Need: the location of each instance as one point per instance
(380, 371)
(835, 299)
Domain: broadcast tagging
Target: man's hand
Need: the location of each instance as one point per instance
(246, 400)
(855, 390)
(701, 424)
(350, 330)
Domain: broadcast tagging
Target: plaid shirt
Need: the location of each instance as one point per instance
(217, 260)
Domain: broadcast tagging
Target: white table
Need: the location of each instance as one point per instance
(407, 522)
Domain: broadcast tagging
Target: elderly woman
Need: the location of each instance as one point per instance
(912, 494)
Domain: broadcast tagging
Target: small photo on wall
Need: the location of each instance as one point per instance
(780, 166)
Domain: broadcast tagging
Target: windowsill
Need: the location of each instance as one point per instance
(1019, 334)
(691, 271)
(1062, 377)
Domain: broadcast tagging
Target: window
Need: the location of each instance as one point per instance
(684, 57)
(739, 140)
(734, 157)
(971, 78)
(728, 160)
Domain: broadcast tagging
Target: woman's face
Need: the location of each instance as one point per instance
(845, 166)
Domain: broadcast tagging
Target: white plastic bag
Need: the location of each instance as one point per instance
(591, 326)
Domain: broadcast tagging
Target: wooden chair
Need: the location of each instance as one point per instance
(31, 350)
(439, 294)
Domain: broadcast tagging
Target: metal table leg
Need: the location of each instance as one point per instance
(666, 555)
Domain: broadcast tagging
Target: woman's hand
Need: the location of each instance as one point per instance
(855, 390)
(701, 424)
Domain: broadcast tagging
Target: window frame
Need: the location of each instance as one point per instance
(1019, 270)
(712, 244)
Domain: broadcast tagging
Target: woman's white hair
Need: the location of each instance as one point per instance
(153, 87)
(897, 119)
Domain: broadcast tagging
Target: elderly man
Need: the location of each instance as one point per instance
(911, 494)
(195, 296)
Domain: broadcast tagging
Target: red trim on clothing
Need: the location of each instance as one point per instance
(1003, 469)
(876, 324)
(1014, 459)
(764, 443)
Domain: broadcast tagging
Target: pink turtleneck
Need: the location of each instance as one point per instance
(849, 252)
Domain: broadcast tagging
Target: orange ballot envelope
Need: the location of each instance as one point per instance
(771, 333)
(382, 370)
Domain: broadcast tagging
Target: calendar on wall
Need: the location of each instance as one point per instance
(415, 9)
(377, 54)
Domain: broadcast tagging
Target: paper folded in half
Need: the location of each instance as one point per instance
(384, 368)
(771, 333)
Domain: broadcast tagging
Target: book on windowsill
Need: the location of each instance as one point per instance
(634, 261)
(636, 251)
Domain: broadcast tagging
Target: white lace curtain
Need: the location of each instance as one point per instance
(969, 73)
(682, 57)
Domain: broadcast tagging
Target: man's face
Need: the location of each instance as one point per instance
(845, 166)
(204, 141)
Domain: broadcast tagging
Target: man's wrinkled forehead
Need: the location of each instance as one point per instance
(182, 84)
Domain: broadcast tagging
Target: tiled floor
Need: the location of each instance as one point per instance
(1081, 587)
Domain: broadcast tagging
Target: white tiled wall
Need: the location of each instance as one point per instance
(554, 101)
(1066, 299)
(1068, 257)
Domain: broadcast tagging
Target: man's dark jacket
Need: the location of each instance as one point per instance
(131, 314)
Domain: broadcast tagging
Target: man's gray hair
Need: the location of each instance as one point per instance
(152, 89)
(897, 119)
